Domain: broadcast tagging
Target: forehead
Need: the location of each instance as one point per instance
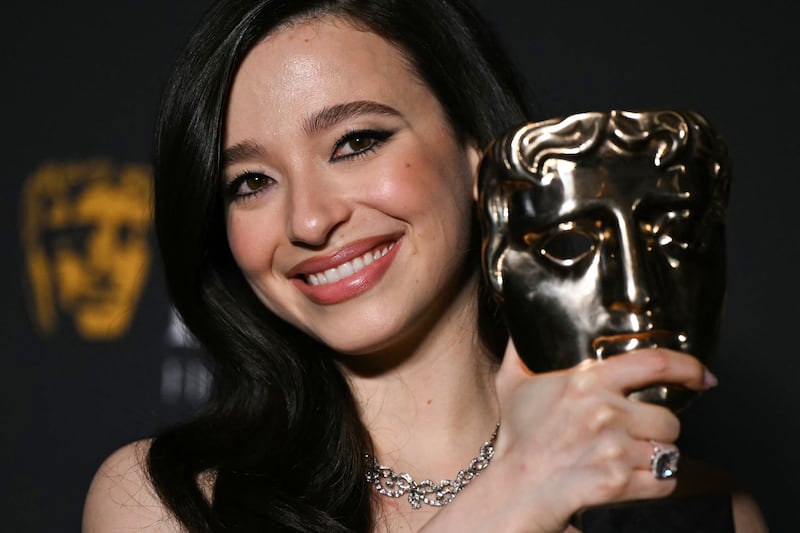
(314, 64)
(626, 176)
(623, 183)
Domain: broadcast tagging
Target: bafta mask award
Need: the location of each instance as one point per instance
(604, 233)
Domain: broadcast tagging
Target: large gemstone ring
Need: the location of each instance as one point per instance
(664, 461)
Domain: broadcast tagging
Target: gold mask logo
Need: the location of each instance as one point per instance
(86, 237)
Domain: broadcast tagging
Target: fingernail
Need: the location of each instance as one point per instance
(709, 379)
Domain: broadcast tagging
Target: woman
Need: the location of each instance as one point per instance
(314, 208)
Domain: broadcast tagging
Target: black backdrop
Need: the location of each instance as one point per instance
(81, 81)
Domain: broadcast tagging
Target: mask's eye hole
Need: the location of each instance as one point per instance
(568, 247)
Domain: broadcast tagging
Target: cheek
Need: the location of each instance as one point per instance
(249, 243)
(420, 184)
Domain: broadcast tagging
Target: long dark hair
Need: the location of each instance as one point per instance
(280, 432)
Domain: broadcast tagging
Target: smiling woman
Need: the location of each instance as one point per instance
(315, 215)
(358, 162)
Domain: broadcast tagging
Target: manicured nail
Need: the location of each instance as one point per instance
(709, 379)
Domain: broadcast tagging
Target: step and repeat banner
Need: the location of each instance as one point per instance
(93, 356)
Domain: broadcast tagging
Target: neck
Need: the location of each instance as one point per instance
(430, 404)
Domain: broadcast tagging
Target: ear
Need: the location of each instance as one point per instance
(474, 156)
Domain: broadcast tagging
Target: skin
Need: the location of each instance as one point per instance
(423, 383)
(336, 199)
(399, 332)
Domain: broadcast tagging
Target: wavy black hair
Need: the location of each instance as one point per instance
(280, 433)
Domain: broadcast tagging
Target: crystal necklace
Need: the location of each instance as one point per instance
(390, 483)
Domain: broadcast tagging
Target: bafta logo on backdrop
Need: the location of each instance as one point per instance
(85, 229)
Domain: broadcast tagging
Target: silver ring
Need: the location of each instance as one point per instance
(664, 461)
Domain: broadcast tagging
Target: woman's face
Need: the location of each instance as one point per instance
(349, 199)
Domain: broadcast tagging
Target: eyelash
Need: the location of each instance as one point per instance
(378, 137)
(232, 188)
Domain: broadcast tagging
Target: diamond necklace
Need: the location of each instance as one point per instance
(390, 483)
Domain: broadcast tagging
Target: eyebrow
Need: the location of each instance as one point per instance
(241, 152)
(319, 121)
(330, 116)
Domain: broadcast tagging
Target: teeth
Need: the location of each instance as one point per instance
(332, 275)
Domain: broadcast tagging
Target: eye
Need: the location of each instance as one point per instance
(357, 143)
(247, 185)
(567, 247)
(75, 238)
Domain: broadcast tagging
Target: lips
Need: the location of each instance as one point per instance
(349, 271)
(348, 268)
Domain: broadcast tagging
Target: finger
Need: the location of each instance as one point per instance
(650, 366)
(642, 483)
(644, 450)
(624, 478)
(643, 486)
(652, 421)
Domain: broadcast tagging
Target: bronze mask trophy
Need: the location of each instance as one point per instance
(604, 233)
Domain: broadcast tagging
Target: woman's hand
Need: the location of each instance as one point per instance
(572, 439)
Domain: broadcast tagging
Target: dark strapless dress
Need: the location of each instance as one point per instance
(708, 513)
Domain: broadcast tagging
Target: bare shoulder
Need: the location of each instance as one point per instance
(121, 497)
(747, 515)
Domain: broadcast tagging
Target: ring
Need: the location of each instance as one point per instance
(664, 461)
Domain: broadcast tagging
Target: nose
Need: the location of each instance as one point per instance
(317, 206)
(627, 275)
(101, 248)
